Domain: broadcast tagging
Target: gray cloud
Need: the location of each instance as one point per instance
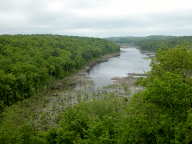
(89, 18)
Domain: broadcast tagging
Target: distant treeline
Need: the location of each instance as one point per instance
(29, 62)
(154, 43)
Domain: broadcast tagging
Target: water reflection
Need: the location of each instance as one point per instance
(131, 60)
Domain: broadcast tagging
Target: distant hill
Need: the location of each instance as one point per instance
(153, 42)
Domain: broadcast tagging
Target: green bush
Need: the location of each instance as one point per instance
(93, 122)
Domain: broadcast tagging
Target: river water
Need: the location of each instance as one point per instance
(131, 60)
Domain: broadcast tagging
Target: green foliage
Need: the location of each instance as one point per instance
(24, 133)
(177, 60)
(169, 88)
(93, 122)
(29, 62)
(160, 114)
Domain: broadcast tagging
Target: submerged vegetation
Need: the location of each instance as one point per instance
(28, 63)
(159, 114)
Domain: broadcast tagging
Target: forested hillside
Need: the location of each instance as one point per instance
(153, 43)
(29, 62)
(160, 114)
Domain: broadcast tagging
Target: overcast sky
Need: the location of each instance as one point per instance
(100, 18)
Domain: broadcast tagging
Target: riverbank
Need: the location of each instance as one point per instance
(99, 60)
(42, 110)
(75, 78)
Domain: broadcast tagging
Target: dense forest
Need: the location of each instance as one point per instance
(153, 43)
(160, 114)
(28, 63)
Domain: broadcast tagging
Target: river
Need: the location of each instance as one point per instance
(131, 60)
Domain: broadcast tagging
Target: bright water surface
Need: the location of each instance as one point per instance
(131, 60)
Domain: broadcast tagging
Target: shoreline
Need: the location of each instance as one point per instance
(100, 60)
(46, 106)
(73, 80)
